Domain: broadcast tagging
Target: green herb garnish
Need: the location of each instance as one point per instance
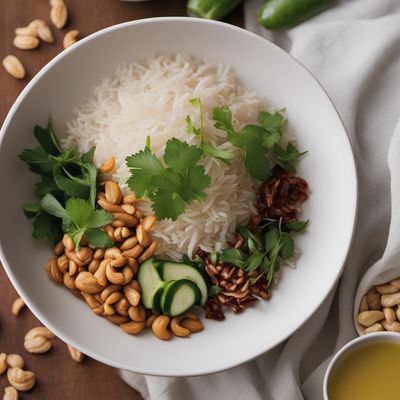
(172, 184)
(213, 290)
(67, 190)
(265, 248)
(207, 147)
(260, 143)
(79, 219)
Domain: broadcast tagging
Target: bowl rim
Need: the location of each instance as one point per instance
(352, 171)
(383, 336)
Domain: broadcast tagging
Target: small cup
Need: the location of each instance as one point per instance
(354, 344)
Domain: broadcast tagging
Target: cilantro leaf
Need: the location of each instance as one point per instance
(46, 225)
(180, 156)
(297, 226)
(255, 160)
(99, 218)
(98, 238)
(143, 166)
(46, 186)
(194, 183)
(53, 207)
(290, 154)
(73, 186)
(167, 204)
(47, 140)
(272, 122)
(260, 143)
(270, 138)
(32, 209)
(222, 117)
(79, 212)
(171, 187)
(207, 147)
(87, 158)
(37, 159)
(84, 220)
(287, 249)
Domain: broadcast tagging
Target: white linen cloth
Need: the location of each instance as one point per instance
(354, 51)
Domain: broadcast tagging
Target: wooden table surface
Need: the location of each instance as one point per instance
(58, 377)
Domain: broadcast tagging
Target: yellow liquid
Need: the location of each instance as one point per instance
(371, 372)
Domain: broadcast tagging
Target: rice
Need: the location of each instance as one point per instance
(152, 98)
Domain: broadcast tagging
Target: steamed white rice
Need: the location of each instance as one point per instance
(152, 98)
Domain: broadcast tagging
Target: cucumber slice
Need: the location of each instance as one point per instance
(152, 285)
(169, 271)
(178, 296)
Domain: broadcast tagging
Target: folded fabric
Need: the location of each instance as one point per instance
(354, 51)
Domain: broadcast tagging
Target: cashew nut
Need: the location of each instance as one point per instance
(150, 320)
(160, 327)
(132, 327)
(20, 379)
(100, 274)
(87, 282)
(368, 318)
(37, 340)
(15, 361)
(53, 271)
(132, 295)
(177, 329)
(10, 393)
(117, 319)
(133, 252)
(148, 222)
(75, 354)
(91, 300)
(17, 306)
(113, 276)
(137, 313)
(59, 248)
(68, 242)
(129, 243)
(112, 252)
(3, 363)
(108, 309)
(122, 306)
(109, 290)
(143, 236)
(69, 281)
(148, 253)
(191, 321)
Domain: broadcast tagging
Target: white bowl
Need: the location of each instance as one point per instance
(329, 168)
(377, 337)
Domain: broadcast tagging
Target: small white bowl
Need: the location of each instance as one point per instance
(354, 344)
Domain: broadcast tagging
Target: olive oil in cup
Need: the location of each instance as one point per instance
(367, 368)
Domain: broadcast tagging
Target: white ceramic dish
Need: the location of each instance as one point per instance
(378, 337)
(329, 169)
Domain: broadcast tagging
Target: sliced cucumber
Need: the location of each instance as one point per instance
(152, 285)
(169, 271)
(178, 296)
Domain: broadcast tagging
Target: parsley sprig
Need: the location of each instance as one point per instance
(170, 184)
(67, 191)
(260, 143)
(265, 249)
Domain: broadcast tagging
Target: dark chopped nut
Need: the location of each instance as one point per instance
(280, 197)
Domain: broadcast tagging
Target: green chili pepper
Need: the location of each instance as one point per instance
(212, 9)
(285, 14)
